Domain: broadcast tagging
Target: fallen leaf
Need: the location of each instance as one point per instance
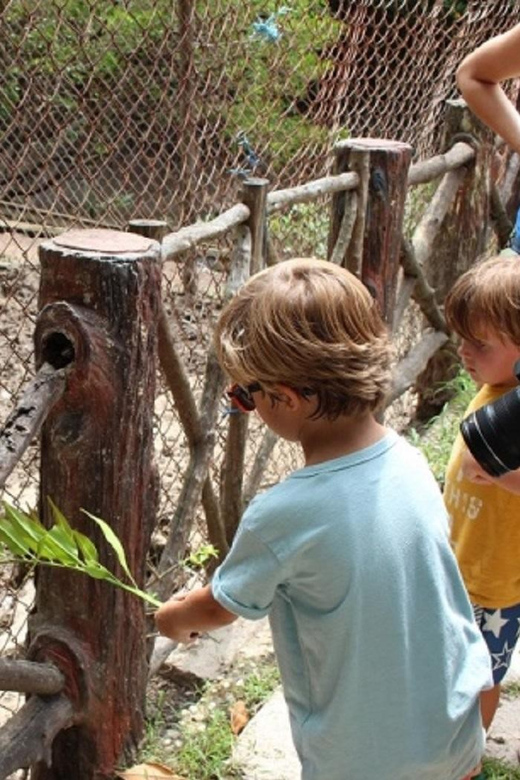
(148, 772)
(239, 716)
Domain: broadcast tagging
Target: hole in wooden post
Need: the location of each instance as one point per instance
(58, 350)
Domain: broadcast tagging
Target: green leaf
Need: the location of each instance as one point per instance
(27, 539)
(27, 530)
(13, 541)
(61, 521)
(141, 593)
(114, 543)
(56, 546)
(98, 571)
(201, 556)
(86, 547)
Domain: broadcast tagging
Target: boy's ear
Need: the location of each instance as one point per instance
(288, 396)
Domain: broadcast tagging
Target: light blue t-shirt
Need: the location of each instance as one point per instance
(381, 661)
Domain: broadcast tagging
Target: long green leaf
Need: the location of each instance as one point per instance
(141, 593)
(56, 546)
(78, 542)
(62, 522)
(27, 530)
(98, 571)
(13, 540)
(62, 546)
(86, 547)
(114, 543)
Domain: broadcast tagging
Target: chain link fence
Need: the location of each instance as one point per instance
(158, 110)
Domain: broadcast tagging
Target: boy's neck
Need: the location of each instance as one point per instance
(324, 440)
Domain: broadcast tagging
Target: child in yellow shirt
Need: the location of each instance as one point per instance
(483, 309)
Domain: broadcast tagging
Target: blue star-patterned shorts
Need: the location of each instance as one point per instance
(500, 629)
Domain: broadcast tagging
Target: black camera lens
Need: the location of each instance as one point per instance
(492, 433)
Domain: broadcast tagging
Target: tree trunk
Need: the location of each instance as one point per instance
(99, 299)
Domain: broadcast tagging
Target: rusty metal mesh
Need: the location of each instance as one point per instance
(154, 109)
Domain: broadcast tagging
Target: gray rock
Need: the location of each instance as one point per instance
(264, 750)
(210, 656)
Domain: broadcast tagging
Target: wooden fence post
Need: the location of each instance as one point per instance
(374, 249)
(150, 228)
(254, 195)
(458, 244)
(99, 298)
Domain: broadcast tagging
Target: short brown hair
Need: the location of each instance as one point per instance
(486, 297)
(311, 325)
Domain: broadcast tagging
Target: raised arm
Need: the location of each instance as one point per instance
(183, 617)
(478, 79)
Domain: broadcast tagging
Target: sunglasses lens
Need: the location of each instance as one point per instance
(242, 398)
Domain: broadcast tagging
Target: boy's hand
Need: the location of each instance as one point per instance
(168, 620)
(473, 471)
(186, 615)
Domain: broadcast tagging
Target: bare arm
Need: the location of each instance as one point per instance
(479, 76)
(185, 616)
(475, 473)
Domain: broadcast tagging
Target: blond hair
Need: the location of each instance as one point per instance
(312, 326)
(487, 297)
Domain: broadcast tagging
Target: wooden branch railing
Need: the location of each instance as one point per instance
(427, 171)
(502, 224)
(163, 581)
(30, 677)
(414, 362)
(25, 421)
(307, 193)
(179, 384)
(415, 281)
(418, 253)
(188, 237)
(28, 736)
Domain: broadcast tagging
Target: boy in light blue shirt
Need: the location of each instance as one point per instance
(381, 661)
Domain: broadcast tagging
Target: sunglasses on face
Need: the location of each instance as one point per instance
(242, 397)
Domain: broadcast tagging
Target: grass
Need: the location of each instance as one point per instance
(194, 736)
(435, 440)
(512, 689)
(496, 770)
(259, 685)
(206, 748)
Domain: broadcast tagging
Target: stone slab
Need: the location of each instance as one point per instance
(211, 655)
(264, 750)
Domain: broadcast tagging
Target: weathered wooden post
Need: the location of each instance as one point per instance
(374, 249)
(99, 297)
(254, 195)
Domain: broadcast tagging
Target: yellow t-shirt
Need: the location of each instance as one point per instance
(485, 527)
